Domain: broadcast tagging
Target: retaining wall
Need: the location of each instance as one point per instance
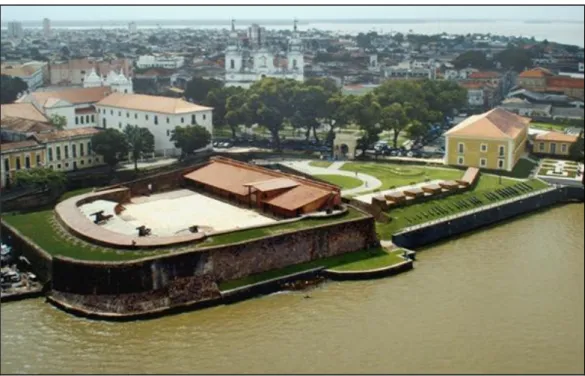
(148, 285)
(425, 235)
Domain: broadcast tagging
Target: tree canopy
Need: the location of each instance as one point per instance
(198, 88)
(111, 144)
(10, 88)
(58, 121)
(41, 178)
(140, 141)
(190, 138)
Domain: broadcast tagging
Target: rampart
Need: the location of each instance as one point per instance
(425, 234)
(164, 282)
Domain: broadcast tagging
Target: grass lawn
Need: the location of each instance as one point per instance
(345, 182)
(37, 226)
(571, 173)
(323, 164)
(521, 170)
(548, 126)
(238, 236)
(362, 260)
(396, 175)
(428, 211)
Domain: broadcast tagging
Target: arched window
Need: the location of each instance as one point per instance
(263, 62)
(232, 64)
(294, 63)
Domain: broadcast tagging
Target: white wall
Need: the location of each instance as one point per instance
(68, 112)
(119, 118)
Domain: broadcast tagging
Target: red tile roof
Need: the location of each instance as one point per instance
(484, 75)
(13, 146)
(564, 82)
(536, 73)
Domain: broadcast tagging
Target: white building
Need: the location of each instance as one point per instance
(132, 27)
(243, 66)
(47, 27)
(373, 64)
(256, 35)
(14, 30)
(160, 115)
(116, 81)
(160, 61)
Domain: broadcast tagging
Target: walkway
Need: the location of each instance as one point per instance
(369, 182)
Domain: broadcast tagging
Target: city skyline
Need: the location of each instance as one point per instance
(430, 13)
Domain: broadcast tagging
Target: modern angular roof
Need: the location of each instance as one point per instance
(497, 123)
(151, 103)
(23, 111)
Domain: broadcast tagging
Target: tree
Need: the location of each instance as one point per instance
(310, 105)
(198, 88)
(365, 111)
(58, 121)
(140, 141)
(516, 59)
(218, 99)
(473, 59)
(190, 138)
(111, 145)
(41, 177)
(394, 118)
(10, 88)
(65, 51)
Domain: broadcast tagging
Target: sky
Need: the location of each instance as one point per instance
(129, 13)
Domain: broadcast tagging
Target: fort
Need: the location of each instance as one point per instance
(189, 231)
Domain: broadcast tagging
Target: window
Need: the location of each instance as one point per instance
(81, 119)
(81, 163)
(59, 166)
(146, 117)
(87, 119)
(541, 146)
(111, 112)
(74, 150)
(7, 164)
(93, 118)
(50, 155)
(119, 113)
(500, 163)
(58, 148)
(564, 148)
(193, 119)
(27, 161)
(501, 150)
(66, 149)
(38, 159)
(204, 116)
(89, 148)
(294, 63)
(120, 125)
(460, 160)
(182, 120)
(460, 148)
(66, 164)
(168, 120)
(155, 120)
(18, 163)
(482, 162)
(127, 114)
(81, 152)
(76, 120)
(104, 123)
(232, 64)
(135, 116)
(484, 148)
(168, 132)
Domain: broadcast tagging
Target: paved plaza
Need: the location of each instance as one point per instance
(171, 213)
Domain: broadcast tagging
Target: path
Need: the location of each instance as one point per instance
(369, 182)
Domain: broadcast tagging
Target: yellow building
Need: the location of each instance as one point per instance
(553, 143)
(494, 140)
(20, 155)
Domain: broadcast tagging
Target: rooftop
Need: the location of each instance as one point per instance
(73, 96)
(496, 123)
(23, 111)
(536, 73)
(556, 136)
(151, 103)
(24, 125)
(66, 134)
(15, 146)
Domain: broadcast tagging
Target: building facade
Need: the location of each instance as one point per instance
(160, 61)
(32, 74)
(160, 115)
(244, 66)
(46, 28)
(553, 144)
(21, 155)
(494, 140)
(14, 30)
(74, 71)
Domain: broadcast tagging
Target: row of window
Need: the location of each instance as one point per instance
(73, 151)
(483, 148)
(553, 147)
(18, 166)
(146, 117)
(84, 119)
(482, 162)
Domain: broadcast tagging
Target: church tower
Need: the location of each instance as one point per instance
(233, 54)
(295, 57)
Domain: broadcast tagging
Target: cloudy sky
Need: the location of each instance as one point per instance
(109, 12)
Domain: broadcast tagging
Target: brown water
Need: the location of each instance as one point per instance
(504, 300)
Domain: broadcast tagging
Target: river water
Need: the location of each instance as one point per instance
(508, 299)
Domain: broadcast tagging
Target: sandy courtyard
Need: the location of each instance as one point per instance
(174, 212)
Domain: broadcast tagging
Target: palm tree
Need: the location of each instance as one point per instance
(140, 141)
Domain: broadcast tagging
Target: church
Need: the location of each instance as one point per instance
(244, 66)
(116, 81)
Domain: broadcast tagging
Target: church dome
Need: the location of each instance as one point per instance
(92, 79)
